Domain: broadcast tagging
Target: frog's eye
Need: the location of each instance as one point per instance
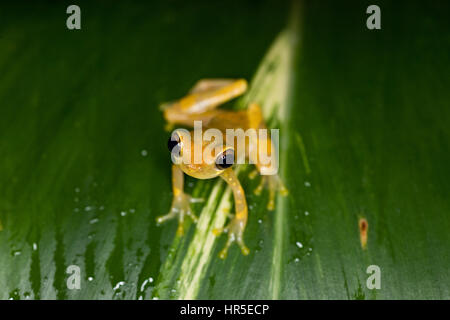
(225, 159)
(174, 144)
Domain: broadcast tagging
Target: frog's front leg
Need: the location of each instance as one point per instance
(236, 227)
(180, 203)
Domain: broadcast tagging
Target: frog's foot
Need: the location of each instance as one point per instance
(274, 184)
(235, 230)
(180, 208)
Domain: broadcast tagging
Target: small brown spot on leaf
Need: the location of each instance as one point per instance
(363, 229)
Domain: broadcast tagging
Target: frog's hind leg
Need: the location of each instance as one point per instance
(255, 117)
(204, 97)
(204, 85)
(271, 181)
(208, 94)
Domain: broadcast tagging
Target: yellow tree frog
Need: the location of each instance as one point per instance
(201, 105)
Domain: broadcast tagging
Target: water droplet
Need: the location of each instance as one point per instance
(155, 298)
(146, 281)
(143, 284)
(92, 221)
(77, 190)
(306, 213)
(144, 153)
(14, 295)
(296, 259)
(299, 244)
(16, 253)
(88, 208)
(132, 211)
(35, 246)
(260, 245)
(123, 213)
(118, 285)
(307, 184)
(259, 221)
(140, 298)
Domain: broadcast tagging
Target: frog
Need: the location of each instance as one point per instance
(201, 104)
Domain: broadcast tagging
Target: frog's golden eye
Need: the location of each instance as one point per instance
(174, 144)
(225, 159)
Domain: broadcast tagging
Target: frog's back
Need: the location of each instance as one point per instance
(242, 119)
(228, 120)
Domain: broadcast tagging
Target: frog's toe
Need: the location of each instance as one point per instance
(275, 185)
(180, 230)
(192, 216)
(260, 186)
(170, 215)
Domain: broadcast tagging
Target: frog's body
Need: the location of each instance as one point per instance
(200, 105)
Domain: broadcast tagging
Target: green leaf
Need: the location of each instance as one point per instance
(84, 169)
